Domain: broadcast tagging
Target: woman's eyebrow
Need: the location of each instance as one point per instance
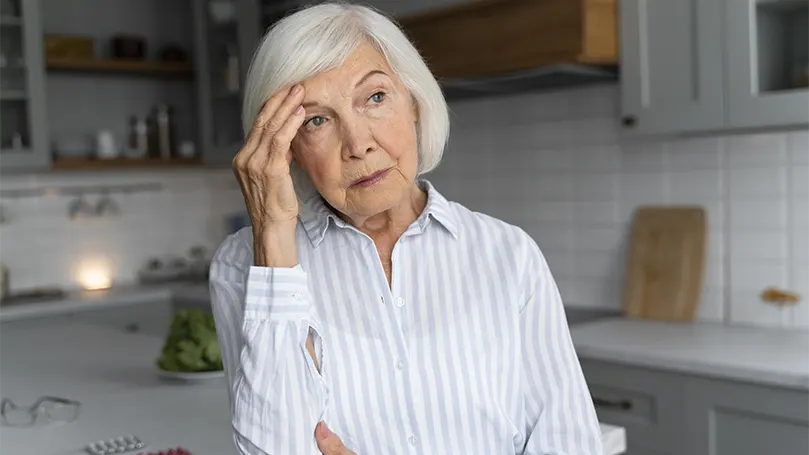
(368, 75)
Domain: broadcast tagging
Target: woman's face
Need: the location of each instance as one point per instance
(358, 141)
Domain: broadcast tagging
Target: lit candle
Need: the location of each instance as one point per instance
(94, 275)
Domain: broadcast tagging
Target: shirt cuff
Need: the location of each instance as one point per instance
(277, 291)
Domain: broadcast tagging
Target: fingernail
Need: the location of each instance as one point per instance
(324, 431)
(299, 110)
(296, 89)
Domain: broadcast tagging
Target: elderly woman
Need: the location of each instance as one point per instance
(363, 312)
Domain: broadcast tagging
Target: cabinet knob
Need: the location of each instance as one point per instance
(132, 328)
(629, 121)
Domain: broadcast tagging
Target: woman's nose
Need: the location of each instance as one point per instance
(358, 140)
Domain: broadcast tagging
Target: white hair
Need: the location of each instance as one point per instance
(322, 37)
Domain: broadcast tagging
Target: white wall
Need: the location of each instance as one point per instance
(42, 247)
(554, 164)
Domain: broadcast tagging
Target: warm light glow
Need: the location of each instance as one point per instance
(94, 275)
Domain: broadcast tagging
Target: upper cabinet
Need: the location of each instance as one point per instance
(23, 120)
(517, 43)
(767, 62)
(707, 65)
(671, 65)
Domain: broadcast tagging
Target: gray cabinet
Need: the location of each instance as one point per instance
(23, 120)
(647, 403)
(671, 65)
(670, 413)
(726, 418)
(767, 62)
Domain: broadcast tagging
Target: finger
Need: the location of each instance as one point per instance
(287, 108)
(280, 154)
(329, 443)
(264, 115)
(240, 161)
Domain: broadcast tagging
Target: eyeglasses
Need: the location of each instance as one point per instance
(50, 409)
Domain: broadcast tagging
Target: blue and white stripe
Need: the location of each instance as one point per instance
(467, 352)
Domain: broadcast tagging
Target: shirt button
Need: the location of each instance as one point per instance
(297, 296)
(412, 440)
(399, 302)
(399, 365)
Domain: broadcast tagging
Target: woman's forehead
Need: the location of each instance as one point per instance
(365, 63)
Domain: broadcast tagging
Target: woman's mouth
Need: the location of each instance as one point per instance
(371, 180)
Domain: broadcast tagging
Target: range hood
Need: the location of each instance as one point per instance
(484, 47)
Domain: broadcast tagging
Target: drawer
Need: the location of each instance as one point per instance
(649, 404)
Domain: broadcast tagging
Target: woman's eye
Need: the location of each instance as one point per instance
(378, 97)
(316, 121)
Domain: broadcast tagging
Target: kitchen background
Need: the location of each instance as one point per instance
(553, 162)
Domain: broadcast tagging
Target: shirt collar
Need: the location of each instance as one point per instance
(316, 214)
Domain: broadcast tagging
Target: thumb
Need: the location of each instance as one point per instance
(329, 443)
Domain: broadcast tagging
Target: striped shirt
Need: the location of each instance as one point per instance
(466, 352)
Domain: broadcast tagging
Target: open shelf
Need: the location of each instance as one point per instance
(92, 164)
(134, 67)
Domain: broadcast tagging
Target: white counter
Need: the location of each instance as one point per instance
(112, 374)
(78, 301)
(764, 356)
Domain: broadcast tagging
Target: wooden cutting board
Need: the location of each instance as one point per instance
(666, 263)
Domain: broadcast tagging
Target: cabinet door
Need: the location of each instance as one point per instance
(671, 65)
(23, 121)
(647, 403)
(225, 35)
(728, 418)
(767, 62)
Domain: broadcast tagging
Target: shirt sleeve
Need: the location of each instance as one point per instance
(560, 416)
(262, 316)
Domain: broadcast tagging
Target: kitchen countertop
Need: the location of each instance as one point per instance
(112, 374)
(119, 295)
(764, 356)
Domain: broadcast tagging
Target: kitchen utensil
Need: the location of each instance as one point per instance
(138, 144)
(106, 148)
(121, 444)
(161, 134)
(666, 263)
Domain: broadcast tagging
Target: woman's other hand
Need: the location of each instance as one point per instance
(328, 442)
(262, 168)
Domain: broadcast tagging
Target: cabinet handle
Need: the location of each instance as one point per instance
(629, 121)
(624, 405)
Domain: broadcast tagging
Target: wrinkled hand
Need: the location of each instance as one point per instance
(329, 443)
(262, 168)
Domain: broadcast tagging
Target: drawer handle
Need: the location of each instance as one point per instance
(624, 405)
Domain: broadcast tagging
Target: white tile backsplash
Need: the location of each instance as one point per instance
(584, 183)
(42, 247)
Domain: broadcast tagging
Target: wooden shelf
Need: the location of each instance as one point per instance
(135, 67)
(90, 164)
